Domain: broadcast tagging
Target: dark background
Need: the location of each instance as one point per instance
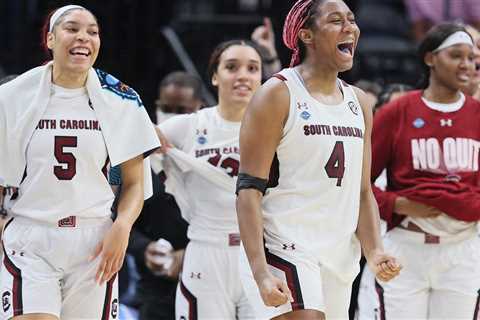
(135, 51)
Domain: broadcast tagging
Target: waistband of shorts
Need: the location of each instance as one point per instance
(71, 222)
(429, 239)
(216, 239)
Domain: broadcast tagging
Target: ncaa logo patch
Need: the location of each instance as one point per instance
(418, 123)
(305, 115)
(114, 312)
(201, 133)
(6, 300)
(353, 107)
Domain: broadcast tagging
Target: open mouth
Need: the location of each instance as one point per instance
(477, 66)
(346, 48)
(243, 88)
(85, 52)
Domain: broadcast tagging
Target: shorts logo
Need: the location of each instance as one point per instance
(194, 275)
(353, 107)
(6, 301)
(69, 222)
(114, 308)
(289, 246)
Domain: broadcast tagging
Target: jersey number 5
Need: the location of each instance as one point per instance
(335, 166)
(68, 169)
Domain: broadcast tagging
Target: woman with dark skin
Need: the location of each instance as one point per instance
(317, 207)
(427, 140)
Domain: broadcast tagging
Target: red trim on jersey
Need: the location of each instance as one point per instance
(17, 298)
(477, 306)
(279, 76)
(379, 290)
(105, 168)
(108, 298)
(291, 275)
(192, 302)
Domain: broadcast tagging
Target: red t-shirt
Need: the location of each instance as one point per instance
(431, 157)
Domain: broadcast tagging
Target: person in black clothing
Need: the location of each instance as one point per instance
(179, 92)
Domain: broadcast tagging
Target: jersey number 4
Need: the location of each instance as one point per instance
(68, 167)
(335, 166)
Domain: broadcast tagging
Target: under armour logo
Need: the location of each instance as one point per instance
(289, 246)
(6, 301)
(194, 275)
(446, 122)
(21, 253)
(114, 312)
(302, 106)
(201, 131)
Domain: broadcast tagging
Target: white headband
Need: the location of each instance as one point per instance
(459, 37)
(60, 12)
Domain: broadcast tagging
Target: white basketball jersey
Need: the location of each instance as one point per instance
(314, 197)
(65, 159)
(210, 138)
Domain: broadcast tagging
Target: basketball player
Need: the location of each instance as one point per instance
(210, 286)
(301, 238)
(62, 250)
(428, 142)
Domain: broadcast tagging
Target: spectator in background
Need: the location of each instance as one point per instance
(474, 88)
(371, 88)
(424, 14)
(391, 92)
(264, 36)
(179, 93)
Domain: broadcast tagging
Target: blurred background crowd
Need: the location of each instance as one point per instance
(142, 41)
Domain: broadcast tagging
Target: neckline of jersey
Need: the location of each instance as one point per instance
(329, 106)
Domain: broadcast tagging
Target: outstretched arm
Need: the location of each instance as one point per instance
(260, 134)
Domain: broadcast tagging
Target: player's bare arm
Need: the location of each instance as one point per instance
(112, 249)
(368, 230)
(260, 135)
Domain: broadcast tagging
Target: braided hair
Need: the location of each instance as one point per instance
(300, 16)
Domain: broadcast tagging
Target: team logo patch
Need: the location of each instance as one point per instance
(305, 115)
(418, 123)
(353, 107)
(114, 85)
(6, 301)
(114, 312)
